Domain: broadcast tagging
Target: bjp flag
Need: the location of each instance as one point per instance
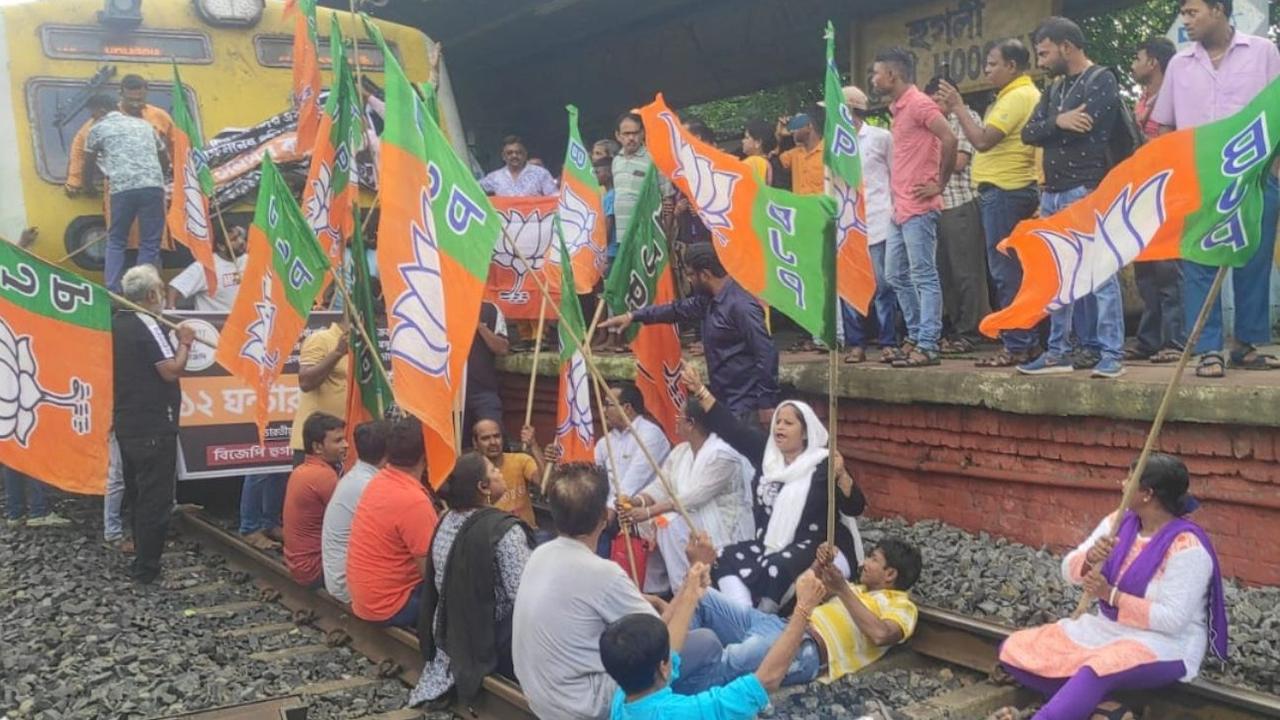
(285, 272)
(581, 211)
(574, 434)
(1194, 194)
(188, 217)
(55, 373)
(306, 71)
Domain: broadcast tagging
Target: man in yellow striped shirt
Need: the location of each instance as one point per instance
(855, 627)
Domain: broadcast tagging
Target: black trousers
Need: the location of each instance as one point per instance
(962, 269)
(149, 464)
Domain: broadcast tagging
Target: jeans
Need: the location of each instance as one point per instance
(146, 205)
(1251, 285)
(884, 304)
(747, 635)
(1160, 285)
(962, 266)
(149, 465)
(112, 524)
(1099, 319)
(910, 263)
(1002, 210)
(23, 494)
(261, 502)
(407, 616)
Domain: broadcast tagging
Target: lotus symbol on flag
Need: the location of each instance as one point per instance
(711, 189)
(531, 235)
(1085, 260)
(21, 395)
(259, 332)
(578, 219)
(578, 419)
(419, 336)
(193, 199)
(851, 215)
(318, 208)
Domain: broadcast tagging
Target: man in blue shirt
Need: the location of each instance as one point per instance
(643, 657)
(742, 361)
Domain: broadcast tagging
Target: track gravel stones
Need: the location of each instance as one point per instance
(1016, 585)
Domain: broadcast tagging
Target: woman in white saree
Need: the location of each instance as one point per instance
(713, 483)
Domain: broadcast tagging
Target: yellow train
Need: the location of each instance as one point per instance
(234, 58)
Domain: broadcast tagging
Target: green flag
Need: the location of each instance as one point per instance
(370, 391)
(572, 326)
(642, 257)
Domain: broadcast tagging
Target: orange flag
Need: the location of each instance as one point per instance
(581, 211)
(306, 71)
(188, 217)
(55, 373)
(529, 224)
(285, 271)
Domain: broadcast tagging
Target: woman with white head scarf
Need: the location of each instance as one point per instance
(790, 501)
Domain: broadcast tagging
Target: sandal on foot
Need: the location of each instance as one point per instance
(855, 356)
(1004, 359)
(918, 359)
(1250, 358)
(1133, 354)
(1119, 712)
(1211, 366)
(890, 355)
(957, 346)
(1168, 356)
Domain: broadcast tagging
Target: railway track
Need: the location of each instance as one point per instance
(943, 640)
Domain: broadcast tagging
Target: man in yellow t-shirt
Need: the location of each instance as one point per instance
(846, 634)
(1005, 172)
(520, 471)
(322, 378)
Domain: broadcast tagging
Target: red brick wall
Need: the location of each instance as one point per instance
(1034, 479)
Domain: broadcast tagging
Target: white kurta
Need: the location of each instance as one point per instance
(627, 463)
(1170, 623)
(714, 485)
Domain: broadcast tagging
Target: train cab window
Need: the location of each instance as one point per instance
(49, 99)
(79, 42)
(277, 51)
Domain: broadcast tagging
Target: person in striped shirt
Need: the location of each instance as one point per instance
(855, 627)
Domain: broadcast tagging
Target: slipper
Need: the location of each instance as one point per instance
(1167, 356)
(855, 356)
(918, 359)
(1211, 366)
(1250, 358)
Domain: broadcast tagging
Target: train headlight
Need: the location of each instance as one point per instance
(241, 13)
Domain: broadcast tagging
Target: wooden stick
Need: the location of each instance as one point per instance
(81, 249)
(614, 480)
(589, 361)
(1132, 484)
(374, 350)
(537, 355)
(832, 367)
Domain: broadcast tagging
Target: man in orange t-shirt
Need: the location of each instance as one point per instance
(310, 486)
(391, 534)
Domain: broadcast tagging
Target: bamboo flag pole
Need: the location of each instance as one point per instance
(537, 356)
(374, 350)
(832, 451)
(1171, 390)
(589, 361)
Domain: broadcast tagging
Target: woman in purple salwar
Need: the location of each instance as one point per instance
(1160, 607)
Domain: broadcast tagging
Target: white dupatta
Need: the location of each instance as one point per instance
(789, 484)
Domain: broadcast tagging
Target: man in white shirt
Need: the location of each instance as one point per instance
(876, 145)
(229, 261)
(371, 451)
(621, 456)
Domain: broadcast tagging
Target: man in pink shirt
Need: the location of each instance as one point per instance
(924, 156)
(1214, 78)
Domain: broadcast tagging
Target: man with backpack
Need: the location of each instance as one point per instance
(1084, 131)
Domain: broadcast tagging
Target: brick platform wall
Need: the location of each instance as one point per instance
(1041, 481)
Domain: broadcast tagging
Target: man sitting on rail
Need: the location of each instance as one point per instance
(391, 534)
(307, 494)
(371, 451)
(853, 629)
(643, 656)
(567, 596)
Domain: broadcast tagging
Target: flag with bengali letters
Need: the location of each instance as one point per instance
(776, 244)
(306, 71)
(333, 186)
(574, 434)
(437, 231)
(856, 278)
(1195, 194)
(188, 217)
(526, 247)
(284, 274)
(641, 276)
(55, 373)
(581, 211)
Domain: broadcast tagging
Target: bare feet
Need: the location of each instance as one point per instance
(259, 541)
